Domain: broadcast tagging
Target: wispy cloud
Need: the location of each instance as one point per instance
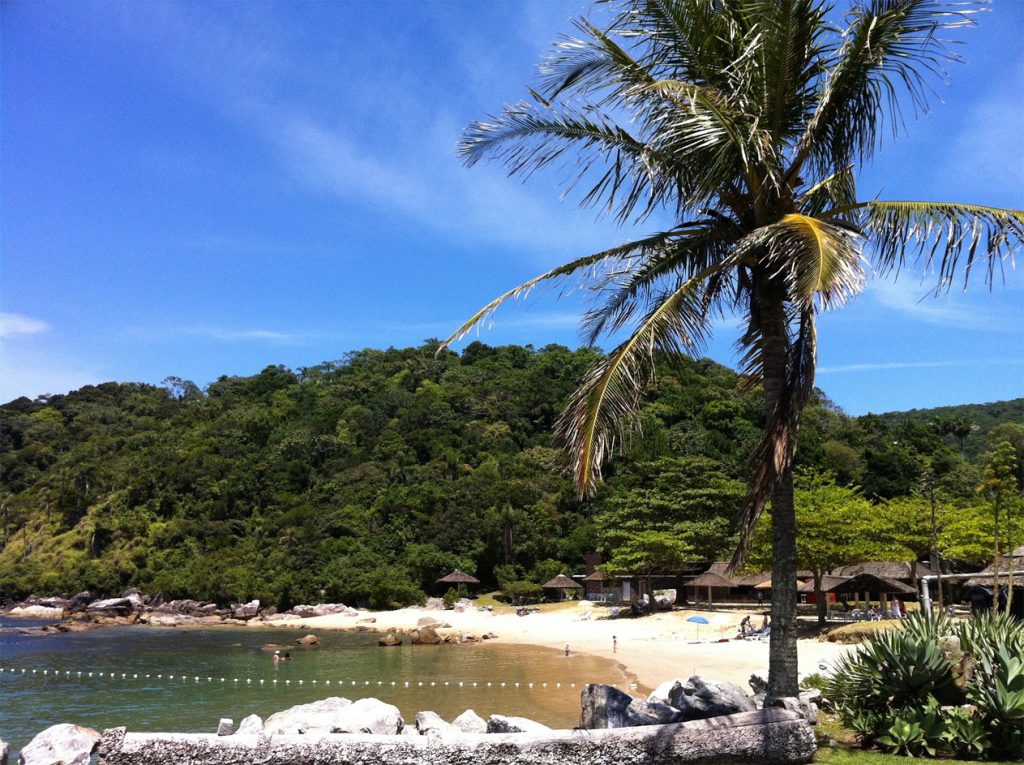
(12, 324)
(895, 365)
(953, 309)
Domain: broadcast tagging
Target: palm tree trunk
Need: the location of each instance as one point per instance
(782, 656)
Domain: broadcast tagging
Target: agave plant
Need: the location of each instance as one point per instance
(744, 122)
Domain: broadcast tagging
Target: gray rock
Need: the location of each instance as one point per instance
(607, 707)
(80, 601)
(768, 736)
(111, 606)
(470, 722)
(391, 639)
(66, 744)
(806, 709)
(427, 621)
(308, 640)
(699, 699)
(319, 716)
(323, 609)
(759, 681)
(508, 724)
(250, 726)
(225, 727)
(245, 610)
(61, 603)
(432, 721)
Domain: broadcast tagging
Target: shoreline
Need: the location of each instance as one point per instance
(647, 650)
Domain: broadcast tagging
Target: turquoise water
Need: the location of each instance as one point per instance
(230, 673)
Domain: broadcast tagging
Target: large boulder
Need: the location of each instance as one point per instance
(64, 743)
(61, 603)
(435, 604)
(111, 607)
(427, 621)
(80, 601)
(370, 716)
(37, 612)
(607, 707)
(507, 724)
(470, 722)
(323, 609)
(391, 639)
(424, 636)
(250, 726)
(803, 706)
(308, 640)
(317, 717)
(245, 610)
(698, 699)
(432, 722)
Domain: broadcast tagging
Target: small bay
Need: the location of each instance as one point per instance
(151, 679)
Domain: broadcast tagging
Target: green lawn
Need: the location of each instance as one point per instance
(843, 756)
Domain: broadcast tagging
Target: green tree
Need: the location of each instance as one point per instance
(999, 487)
(837, 526)
(744, 122)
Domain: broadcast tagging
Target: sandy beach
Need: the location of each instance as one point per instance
(651, 649)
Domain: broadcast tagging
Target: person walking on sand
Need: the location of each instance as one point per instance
(615, 644)
(566, 649)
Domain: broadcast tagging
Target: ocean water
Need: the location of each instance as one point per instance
(151, 679)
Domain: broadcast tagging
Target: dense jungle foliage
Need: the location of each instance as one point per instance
(367, 479)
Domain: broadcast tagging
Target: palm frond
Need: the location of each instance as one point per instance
(603, 409)
(628, 290)
(587, 264)
(836, 190)
(937, 235)
(889, 51)
(821, 262)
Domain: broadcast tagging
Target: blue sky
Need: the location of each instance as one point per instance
(198, 189)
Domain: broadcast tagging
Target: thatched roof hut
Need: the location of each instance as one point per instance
(885, 569)
(562, 582)
(459, 577)
(868, 583)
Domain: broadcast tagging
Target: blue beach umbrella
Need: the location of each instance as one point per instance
(698, 620)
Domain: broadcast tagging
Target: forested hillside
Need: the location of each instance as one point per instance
(366, 479)
(973, 421)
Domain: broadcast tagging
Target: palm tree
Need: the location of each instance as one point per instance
(744, 121)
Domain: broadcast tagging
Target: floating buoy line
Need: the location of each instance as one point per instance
(272, 682)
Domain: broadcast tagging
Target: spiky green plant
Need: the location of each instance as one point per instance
(744, 121)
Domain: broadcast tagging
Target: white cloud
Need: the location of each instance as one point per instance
(951, 309)
(18, 324)
(879, 366)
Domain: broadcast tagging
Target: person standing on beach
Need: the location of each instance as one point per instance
(566, 649)
(615, 644)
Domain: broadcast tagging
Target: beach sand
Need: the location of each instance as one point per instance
(651, 649)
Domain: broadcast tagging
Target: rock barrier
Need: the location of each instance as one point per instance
(762, 736)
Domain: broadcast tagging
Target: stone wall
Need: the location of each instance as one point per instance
(762, 736)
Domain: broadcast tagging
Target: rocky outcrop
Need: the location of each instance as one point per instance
(245, 610)
(308, 640)
(225, 727)
(36, 612)
(698, 699)
(391, 639)
(425, 636)
(323, 609)
(67, 744)
(765, 736)
(370, 716)
(111, 607)
(608, 707)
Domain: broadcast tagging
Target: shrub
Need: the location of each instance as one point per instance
(451, 597)
(878, 690)
(523, 591)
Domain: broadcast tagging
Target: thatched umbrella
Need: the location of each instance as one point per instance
(709, 579)
(563, 583)
(459, 578)
(597, 576)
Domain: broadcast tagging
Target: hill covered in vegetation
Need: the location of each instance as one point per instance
(367, 479)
